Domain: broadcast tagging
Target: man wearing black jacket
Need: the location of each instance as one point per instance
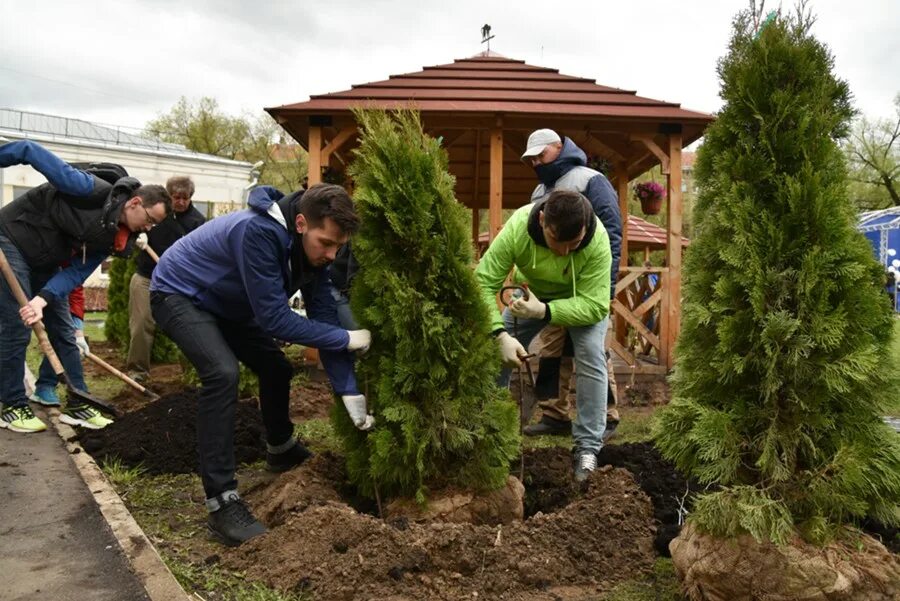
(185, 219)
(75, 217)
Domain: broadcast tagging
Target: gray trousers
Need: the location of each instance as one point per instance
(140, 323)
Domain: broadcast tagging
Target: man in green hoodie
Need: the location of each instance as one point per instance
(559, 249)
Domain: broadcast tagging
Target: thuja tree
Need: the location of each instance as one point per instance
(430, 374)
(783, 361)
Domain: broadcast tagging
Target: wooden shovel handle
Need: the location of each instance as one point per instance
(120, 375)
(151, 252)
(38, 326)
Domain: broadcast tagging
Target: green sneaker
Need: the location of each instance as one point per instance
(84, 416)
(21, 419)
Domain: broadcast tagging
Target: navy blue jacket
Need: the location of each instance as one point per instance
(570, 172)
(238, 267)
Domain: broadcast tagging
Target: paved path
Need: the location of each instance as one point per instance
(54, 543)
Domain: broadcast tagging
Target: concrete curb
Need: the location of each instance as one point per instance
(145, 561)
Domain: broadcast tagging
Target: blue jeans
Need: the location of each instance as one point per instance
(46, 376)
(15, 335)
(590, 373)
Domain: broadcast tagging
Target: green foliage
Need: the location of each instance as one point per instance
(873, 153)
(430, 374)
(116, 325)
(784, 357)
(202, 126)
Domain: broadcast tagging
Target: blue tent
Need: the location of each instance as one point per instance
(882, 228)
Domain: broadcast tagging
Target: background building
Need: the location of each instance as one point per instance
(220, 183)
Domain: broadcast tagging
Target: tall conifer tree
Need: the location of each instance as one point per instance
(430, 373)
(783, 361)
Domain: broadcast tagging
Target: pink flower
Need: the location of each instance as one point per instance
(649, 191)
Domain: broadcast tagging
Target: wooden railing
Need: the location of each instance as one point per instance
(638, 313)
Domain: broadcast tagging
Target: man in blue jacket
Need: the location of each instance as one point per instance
(561, 165)
(221, 294)
(77, 218)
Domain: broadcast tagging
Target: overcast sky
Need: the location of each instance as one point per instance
(125, 61)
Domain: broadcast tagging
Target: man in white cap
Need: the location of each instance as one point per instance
(561, 165)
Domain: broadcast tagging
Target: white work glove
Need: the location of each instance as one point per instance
(530, 307)
(141, 241)
(511, 350)
(359, 340)
(356, 408)
(33, 311)
(83, 349)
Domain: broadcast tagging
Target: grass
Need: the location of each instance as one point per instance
(217, 584)
(894, 409)
(318, 434)
(660, 585)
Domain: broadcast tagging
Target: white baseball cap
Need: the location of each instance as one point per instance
(538, 141)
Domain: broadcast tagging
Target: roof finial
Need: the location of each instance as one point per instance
(486, 36)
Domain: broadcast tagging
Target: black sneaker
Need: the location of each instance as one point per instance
(610, 430)
(282, 462)
(233, 523)
(549, 425)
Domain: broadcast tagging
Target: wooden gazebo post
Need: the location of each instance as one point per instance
(314, 161)
(674, 217)
(495, 197)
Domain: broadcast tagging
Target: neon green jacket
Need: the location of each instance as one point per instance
(575, 286)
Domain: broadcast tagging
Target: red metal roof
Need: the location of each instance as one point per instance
(494, 84)
(643, 233)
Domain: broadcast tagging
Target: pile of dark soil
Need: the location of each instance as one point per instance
(671, 493)
(161, 436)
(320, 545)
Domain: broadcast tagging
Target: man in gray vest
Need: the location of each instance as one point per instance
(561, 165)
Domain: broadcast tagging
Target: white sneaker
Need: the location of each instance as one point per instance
(584, 465)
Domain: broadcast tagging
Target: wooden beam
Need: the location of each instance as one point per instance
(636, 323)
(628, 280)
(655, 149)
(619, 349)
(314, 173)
(339, 140)
(476, 215)
(495, 197)
(622, 191)
(648, 304)
(673, 245)
(608, 151)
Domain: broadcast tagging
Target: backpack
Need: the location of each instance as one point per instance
(108, 172)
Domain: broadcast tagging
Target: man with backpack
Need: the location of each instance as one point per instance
(76, 217)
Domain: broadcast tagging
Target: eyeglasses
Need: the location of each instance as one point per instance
(150, 219)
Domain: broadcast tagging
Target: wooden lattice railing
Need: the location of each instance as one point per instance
(637, 311)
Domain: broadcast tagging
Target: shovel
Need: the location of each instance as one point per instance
(142, 389)
(76, 395)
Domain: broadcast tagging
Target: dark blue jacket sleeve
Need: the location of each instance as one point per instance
(70, 278)
(59, 173)
(339, 365)
(606, 205)
(259, 253)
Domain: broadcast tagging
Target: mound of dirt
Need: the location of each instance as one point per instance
(161, 436)
(320, 545)
(670, 492)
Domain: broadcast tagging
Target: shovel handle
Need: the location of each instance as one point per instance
(38, 326)
(151, 252)
(142, 389)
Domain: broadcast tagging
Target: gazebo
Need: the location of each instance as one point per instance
(484, 107)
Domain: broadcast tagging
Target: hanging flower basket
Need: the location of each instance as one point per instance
(651, 195)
